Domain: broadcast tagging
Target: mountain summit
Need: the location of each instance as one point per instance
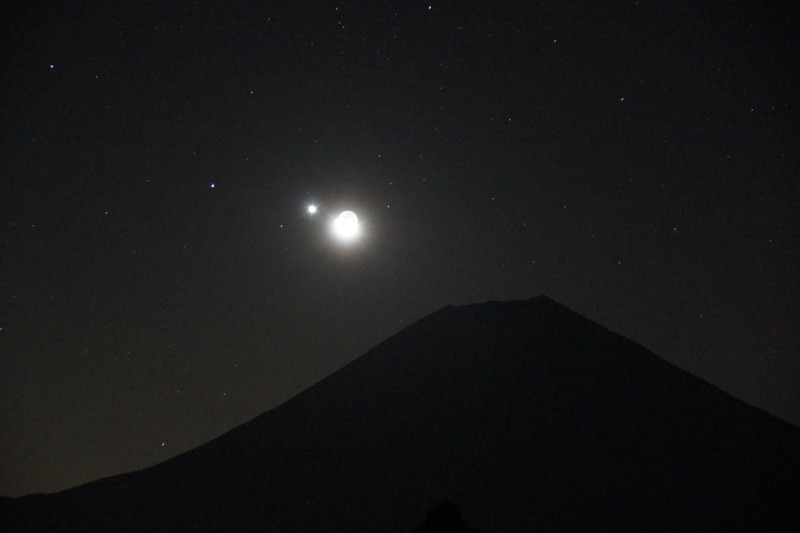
(524, 414)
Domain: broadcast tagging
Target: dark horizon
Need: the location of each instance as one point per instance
(162, 280)
(527, 414)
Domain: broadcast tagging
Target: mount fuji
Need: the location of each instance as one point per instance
(524, 414)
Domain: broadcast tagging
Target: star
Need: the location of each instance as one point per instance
(312, 209)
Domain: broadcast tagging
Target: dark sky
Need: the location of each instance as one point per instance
(162, 281)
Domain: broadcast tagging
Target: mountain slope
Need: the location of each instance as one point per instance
(524, 413)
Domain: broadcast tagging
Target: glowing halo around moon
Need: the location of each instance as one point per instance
(345, 227)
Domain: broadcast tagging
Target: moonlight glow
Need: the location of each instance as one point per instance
(345, 226)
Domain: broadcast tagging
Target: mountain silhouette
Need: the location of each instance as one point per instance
(523, 414)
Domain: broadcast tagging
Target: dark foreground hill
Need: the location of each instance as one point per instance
(525, 414)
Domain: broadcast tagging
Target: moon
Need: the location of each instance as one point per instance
(345, 226)
(312, 209)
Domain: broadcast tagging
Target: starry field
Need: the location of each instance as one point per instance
(163, 279)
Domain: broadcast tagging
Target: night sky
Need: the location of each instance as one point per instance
(163, 281)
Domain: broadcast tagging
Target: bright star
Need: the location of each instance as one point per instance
(312, 209)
